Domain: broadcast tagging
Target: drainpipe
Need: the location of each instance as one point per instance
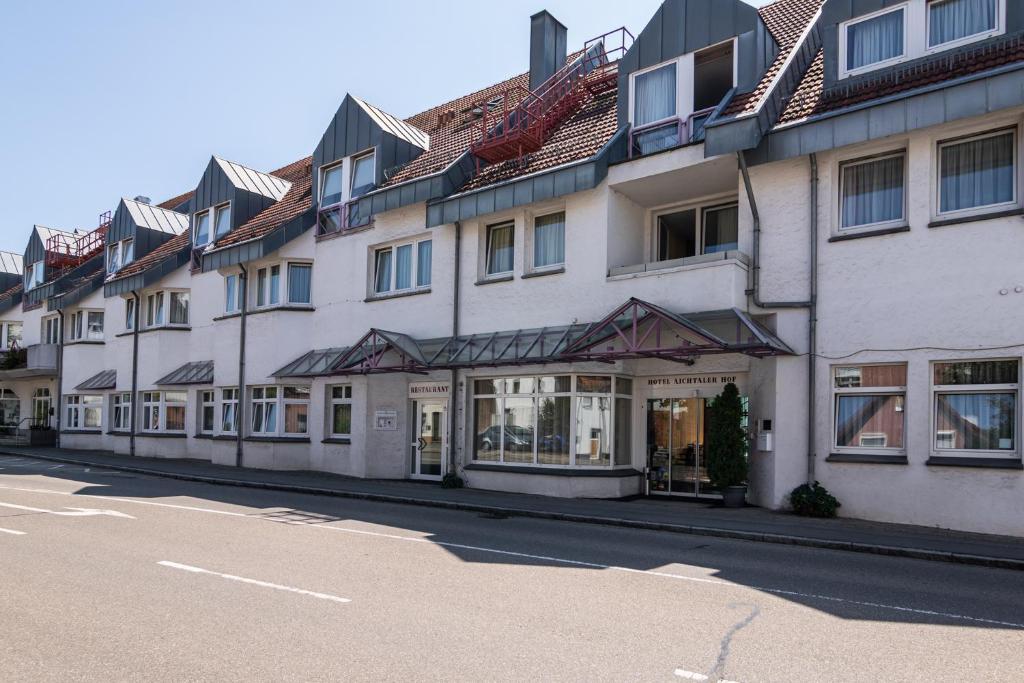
(133, 419)
(812, 326)
(453, 389)
(243, 286)
(811, 303)
(60, 375)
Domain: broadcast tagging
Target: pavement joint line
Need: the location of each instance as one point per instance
(253, 582)
(12, 532)
(735, 534)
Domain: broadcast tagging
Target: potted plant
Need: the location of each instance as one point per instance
(725, 445)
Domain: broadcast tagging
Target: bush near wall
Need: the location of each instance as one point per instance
(813, 500)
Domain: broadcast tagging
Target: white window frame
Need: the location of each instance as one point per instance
(700, 207)
(286, 269)
(51, 325)
(372, 152)
(332, 401)
(162, 302)
(279, 402)
(940, 389)
(838, 391)
(78, 330)
(229, 399)
(908, 22)
(485, 243)
(858, 160)
(229, 305)
(131, 316)
(120, 412)
(76, 406)
(393, 247)
(999, 29)
(208, 214)
(971, 137)
(161, 404)
(347, 166)
(35, 275)
(531, 240)
(267, 290)
(5, 333)
(116, 255)
(206, 399)
(215, 214)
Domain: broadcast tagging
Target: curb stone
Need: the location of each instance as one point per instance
(735, 534)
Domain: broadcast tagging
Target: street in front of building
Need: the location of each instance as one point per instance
(117, 576)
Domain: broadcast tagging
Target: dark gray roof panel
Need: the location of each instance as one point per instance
(103, 380)
(197, 372)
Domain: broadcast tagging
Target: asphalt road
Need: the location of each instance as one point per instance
(107, 576)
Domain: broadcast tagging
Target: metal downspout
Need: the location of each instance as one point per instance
(135, 374)
(812, 326)
(243, 285)
(60, 376)
(453, 389)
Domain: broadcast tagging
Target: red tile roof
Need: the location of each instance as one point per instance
(175, 201)
(165, 251)
(4, 296)
(786, 21)
(811, 98)
(297, 200)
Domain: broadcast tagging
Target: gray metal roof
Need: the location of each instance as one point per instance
(253, 181)
(395, 126)
(198, 372)
(10, 263)
(103, 380)
(155, 218)
(313, 364)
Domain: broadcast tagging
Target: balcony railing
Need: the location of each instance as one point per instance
(664, 135)
(338, 218)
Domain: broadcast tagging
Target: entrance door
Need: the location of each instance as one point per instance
(675, 445)
(430, 434)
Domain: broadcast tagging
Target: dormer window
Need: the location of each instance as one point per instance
(202, 230)
(915, 29)
(670, 102)
(34, 275)
(221, 221)
(341, 183)
(221, 224)
(119, 255)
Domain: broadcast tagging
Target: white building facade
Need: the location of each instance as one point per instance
(765, 198)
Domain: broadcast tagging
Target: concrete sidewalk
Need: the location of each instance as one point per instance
(751, 523)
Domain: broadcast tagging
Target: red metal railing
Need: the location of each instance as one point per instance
(64, 250)
(519, 120)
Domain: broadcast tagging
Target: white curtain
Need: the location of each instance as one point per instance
(382, 278)
(976, 421)
(655, 96)
(499, 249)
(874, 40)
(977, 173)
(873, 192)
(955, 19)
(403, 267)
(549, 240)
(423, 263)
(298, 284)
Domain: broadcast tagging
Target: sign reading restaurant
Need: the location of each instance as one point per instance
(690, 379)
(425, 389)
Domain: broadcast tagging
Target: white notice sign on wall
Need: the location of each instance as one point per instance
(385, 420)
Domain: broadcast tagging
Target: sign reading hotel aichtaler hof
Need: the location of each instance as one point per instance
(428, 389)
(689, 380)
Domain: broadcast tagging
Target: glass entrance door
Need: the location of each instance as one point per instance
(675, 444)
(429, 440)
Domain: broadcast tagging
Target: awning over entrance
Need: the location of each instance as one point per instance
(635, 330)
(198, 372)
(103, 380)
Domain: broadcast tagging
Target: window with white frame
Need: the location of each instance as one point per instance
(913, 29)
(207, 418)
(86, 326)
(402, 267)
(221, 221)
(560, 420)
(201, 233)
(10, 335)
(269, 402)
(179, 302)
(976, 406)
(120, 254)
(232, 293)
(656, 108)
(694, 230)
(872, 192)
(155, 309)
(499, 257)
(549, 241)
(978, 173)
(41, 406)
(339, 184)
(169, 308)
(84, 411)
(34, 275)
(340, 398)
(870, 406)
(300, 283)
(229, 411)
(269, 287)
(51, 329)
(129, 314)
(121, 412)
(164, 411)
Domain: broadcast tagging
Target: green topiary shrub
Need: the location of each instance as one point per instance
(452, 481)
(725, 442)
(813, 500)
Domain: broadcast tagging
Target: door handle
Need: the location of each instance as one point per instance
(422, 443)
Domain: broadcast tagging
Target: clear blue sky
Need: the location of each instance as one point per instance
(111, 98)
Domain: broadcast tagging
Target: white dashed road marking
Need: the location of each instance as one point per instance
(12, 532)
(253, 582)
(70, 512)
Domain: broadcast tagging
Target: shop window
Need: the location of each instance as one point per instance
(341, 411)
(120, 412)
(164, 411)
(870, 406)
(976, 406)
(544, 421)
(84, 411)
(978, 173)
(872, 192)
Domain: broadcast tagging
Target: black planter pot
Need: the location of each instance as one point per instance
(734, 496)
